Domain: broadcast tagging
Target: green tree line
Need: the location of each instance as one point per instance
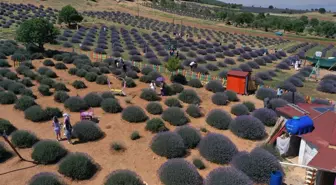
(288, 24)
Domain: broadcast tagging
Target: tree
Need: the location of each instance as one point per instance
(69, 15)
(231, 16)
(314, 22)
(266, 23)
(163, 2)
(322, 10)
(221, 15)
(298, 26)
(257, 23)
(328, 28)
(304, 19)
(271, 7)
(244, 18)
(277, 22)
(310, 30)
(173, 64)
(288, 26)
(36, 32)
(261, 16)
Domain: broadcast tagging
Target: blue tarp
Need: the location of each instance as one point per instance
(278, 33)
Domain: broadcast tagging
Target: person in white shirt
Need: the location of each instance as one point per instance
(193, 65)
(279, 92)
(152, 85)
(296, 65)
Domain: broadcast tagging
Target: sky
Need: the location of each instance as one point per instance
(297, 4)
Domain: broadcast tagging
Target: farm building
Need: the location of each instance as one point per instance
(240, 82)
(315, 149)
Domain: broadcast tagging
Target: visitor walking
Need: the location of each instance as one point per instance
(121, 61)
(124, 67)
(279, 92)
(57, 128)
(296, 66)
(116, 62)
(67, 127)
(152, 85)
(177, 54)
(163, 89)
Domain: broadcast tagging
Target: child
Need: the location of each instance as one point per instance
(57, 128)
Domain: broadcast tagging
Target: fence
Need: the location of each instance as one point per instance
(187, 73)
(308, 99)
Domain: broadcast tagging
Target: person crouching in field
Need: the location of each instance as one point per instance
(193, 65)
(67, 127)
(57, 128)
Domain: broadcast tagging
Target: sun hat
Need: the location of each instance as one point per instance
(66, 115)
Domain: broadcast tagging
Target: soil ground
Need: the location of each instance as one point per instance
(137, 156)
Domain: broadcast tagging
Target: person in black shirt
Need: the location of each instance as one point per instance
(124, 67)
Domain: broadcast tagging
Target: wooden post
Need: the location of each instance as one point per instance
(310, 176)
(4, 135)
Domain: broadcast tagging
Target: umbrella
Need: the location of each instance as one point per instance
(160, 79)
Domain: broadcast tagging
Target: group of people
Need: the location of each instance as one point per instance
(163, 87)
(66, 126)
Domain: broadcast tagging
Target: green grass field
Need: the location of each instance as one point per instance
(330, 52)
(312, 51)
